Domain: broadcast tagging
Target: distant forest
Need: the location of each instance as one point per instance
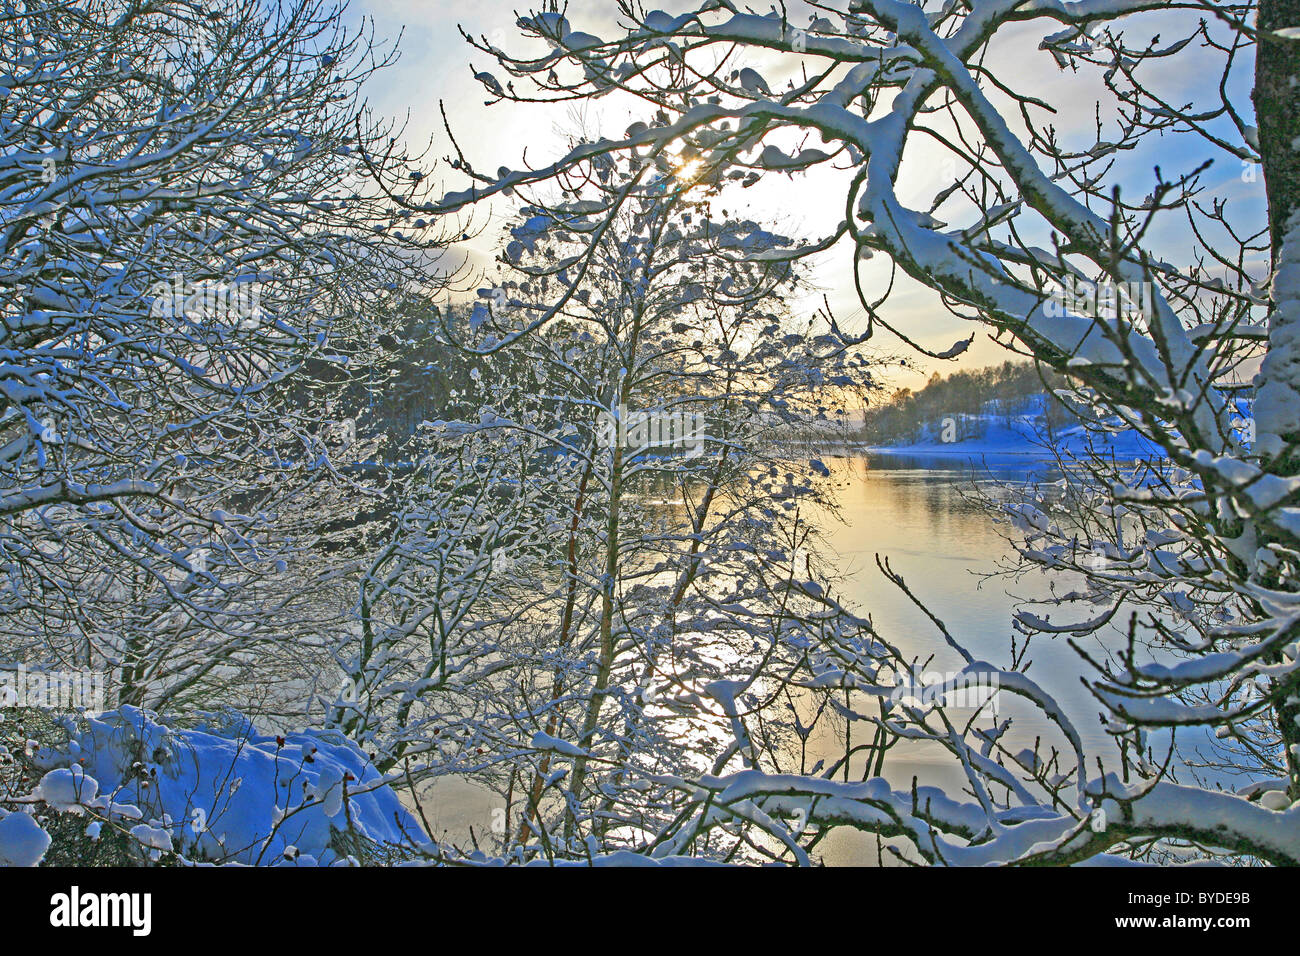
(969, 398)
(434, 380)
(414, 376)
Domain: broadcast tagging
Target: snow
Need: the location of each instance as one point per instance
(1277, 405)
(1026, 435)
(254, 797)
(22, 841)
(752, 82)
(544, 741)
(67, 788)
(154, 839)
(1276, 800)
(223, 791)
(625, 858)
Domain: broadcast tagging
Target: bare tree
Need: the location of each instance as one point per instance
(190, 239)
(1033, 232)
(657, 542)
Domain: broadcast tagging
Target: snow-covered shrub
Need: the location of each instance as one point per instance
(220, 792)
(22, 841)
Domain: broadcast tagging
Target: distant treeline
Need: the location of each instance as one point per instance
(432, 379)
(969, 399)
(417, 376)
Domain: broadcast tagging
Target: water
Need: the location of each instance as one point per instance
(918, 513)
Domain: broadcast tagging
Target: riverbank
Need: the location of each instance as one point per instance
(1020, 440)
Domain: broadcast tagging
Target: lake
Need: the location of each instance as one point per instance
(917, 512)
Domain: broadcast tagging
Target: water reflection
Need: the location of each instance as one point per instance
(918, 512)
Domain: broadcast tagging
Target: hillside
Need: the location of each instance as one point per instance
(1003, 410)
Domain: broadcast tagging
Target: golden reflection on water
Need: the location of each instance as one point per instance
(941, 541)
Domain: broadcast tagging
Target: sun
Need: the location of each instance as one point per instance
(689, 170)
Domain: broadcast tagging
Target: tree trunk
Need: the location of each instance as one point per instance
(1277, 106)
(605, 665)
(1277, 399)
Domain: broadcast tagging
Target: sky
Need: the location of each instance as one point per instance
(434, 67)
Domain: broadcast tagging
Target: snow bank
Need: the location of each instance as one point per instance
(221, 793)
(22, 841)
(1025, 434)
